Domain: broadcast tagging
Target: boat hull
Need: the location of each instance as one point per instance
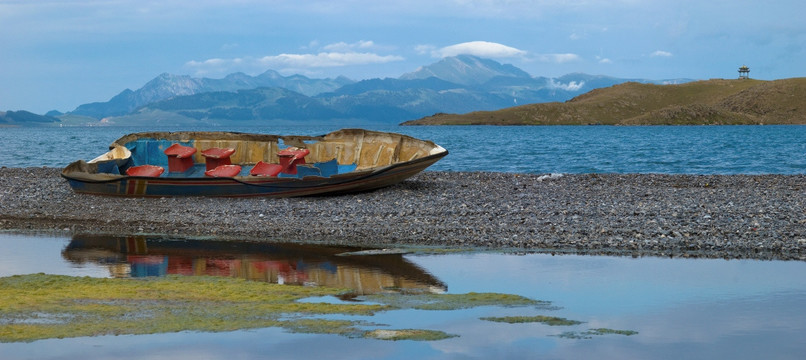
(82, 179)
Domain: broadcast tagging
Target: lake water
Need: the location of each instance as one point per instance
(681, 308)
(779, 149)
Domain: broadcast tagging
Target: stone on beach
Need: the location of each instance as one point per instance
(728, 216)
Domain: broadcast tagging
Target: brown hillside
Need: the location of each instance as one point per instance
(715, 101)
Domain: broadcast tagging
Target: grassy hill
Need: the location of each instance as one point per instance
(715, 101)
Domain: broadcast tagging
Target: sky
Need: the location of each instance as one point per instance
(58, 54)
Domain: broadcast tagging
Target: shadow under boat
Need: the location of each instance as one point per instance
(279, 263)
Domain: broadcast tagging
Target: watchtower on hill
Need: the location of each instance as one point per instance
(744, 72)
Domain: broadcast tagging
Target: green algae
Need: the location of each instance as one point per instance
(452, 301)
(595, 332)
(557, 321)
(548, 320)
(605, 331)
(408, 334)
(50, 306)
(40, 306)
(323, 326)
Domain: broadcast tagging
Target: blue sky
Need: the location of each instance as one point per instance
(58, 54)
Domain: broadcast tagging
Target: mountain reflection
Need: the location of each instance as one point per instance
(279, 263)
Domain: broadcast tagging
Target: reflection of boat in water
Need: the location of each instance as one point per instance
(282, 263)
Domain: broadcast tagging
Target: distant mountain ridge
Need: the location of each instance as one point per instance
(24, 118)
(456, 84)
(167, 86)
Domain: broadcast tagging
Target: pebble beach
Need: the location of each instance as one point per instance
(713, 216)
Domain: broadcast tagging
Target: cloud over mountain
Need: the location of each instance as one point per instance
(479, 48)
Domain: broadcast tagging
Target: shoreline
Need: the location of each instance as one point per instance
(710, 216)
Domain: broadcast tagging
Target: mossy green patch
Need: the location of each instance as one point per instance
(604, 331)
(322, 326)
(595, 332)
(49, 306)
(548, 320)
(43, 306)
(408, 334)
(452, 301)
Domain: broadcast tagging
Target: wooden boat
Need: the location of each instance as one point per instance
(242, 164)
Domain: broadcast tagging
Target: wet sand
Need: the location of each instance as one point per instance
(725, 216)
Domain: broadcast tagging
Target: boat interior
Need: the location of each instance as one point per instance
(224, 154)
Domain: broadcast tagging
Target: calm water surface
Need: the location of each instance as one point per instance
(681, 308)
(779, 149)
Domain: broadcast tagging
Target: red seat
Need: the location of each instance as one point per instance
(145, 170)
(291, 157)
(215, 157)
(180, 157)
(224, 171)
(180, 151)
(265, 169)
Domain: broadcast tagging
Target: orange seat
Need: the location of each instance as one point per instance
(180, 157)
(265, 169)
(145, 170)
(224, 171)
(215, 157)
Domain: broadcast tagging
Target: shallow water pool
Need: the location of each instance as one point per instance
(680, 308)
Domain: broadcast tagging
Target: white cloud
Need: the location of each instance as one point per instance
(296, 62)
(479, 48)
(424, 49)
(604, 60)
(312, 45)
(345, 47)
(571, 86)
(327, 59)
(557, 58)
(213, 63)
(495, 50)
(660, 53)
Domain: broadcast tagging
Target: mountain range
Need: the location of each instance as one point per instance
(166, 86)
(458, 84)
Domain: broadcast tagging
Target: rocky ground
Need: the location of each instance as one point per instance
(729, 216)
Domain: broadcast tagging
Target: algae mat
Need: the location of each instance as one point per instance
(43, 306)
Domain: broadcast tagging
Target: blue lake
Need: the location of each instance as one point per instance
(779, 149)
(681, 308)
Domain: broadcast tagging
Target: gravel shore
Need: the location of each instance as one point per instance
(726, 216)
